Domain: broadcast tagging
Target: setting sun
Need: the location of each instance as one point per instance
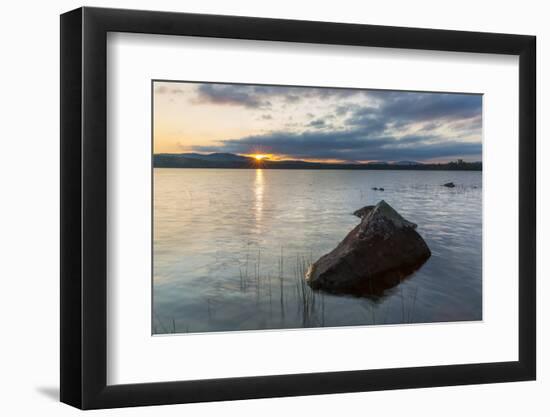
(259, 156)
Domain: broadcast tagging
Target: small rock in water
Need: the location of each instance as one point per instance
(377, 254)
(449, 185)
(375, 188)
(381, 189)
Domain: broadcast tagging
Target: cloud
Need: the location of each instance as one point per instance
(379, 125)
(164, 89)
(230, 95)
(398, 109)
(344, 109)
(348, 145)
(408, 106)
(318, 123)
(260, 96)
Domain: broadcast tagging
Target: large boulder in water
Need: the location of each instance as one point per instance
(375, 255)
(363, 211)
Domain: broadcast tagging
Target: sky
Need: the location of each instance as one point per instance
(316, 124)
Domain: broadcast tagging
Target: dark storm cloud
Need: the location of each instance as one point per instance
(405, 106)
(446, 125)
(348, 145)
(398, 109)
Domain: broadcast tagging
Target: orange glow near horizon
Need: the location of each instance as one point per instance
(281, 157)
(261, 156)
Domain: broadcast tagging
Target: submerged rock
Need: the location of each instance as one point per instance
(375, 255)
(449, 185)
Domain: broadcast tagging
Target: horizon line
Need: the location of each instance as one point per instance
(326, 161)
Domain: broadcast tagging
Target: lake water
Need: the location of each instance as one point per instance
(231, 246)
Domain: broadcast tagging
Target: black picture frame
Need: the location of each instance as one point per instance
(84, 207)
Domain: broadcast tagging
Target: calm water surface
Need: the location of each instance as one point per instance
(231, 246)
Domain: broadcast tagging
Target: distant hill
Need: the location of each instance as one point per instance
(195, 160)
(407, 163)
(229, 160)
(212, 156)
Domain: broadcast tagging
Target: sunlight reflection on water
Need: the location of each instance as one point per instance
(259, 196)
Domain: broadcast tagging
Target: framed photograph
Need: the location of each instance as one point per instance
(257, 207)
